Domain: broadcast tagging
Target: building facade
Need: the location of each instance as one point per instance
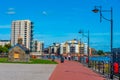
(54, 49)
(3, 42)
(18, 53)
(73, 47)
(38, 46)
(23, 29)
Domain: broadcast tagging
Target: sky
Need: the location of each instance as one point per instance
(61, 20)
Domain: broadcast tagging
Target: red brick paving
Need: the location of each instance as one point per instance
(71, 70)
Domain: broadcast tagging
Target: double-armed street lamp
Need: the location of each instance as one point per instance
(88, 53)
(99, 9)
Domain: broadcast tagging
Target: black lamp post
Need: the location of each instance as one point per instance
(80, 49)
(88, 52)
(96, 10)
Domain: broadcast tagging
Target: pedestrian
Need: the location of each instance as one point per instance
(69, 57)
(65, 57)
(62, 59)
(53, 58)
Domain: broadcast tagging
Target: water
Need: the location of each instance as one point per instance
(100, 58)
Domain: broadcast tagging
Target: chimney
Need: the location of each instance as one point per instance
(19, 40)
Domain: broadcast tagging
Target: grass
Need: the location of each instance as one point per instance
(32, 61)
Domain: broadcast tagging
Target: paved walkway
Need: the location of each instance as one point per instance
(26, 71)
(71, 70)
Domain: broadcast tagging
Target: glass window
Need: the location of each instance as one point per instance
(64, 49)
(72, 49)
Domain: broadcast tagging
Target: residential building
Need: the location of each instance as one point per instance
(54, 49)
(38, 46)
(73, 47)
(38, 49)
(3, 42)
(23, 29)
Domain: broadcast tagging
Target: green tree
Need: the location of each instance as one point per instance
(0, 48)
(8, 46)
(100, 52)
(4, 49)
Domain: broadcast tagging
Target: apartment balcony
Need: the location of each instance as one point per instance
(32, 31)
(32, 23)
(31, 35)
(32, 26)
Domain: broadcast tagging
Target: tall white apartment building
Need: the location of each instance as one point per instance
(23, 29)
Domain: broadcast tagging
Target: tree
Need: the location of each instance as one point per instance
(0, 48)
(4, 49)
(100, 52)
(8, 46)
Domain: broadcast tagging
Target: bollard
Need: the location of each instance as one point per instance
(95, 66)
(99, 66)
(103, 67)
(92, 64)
(119, 71)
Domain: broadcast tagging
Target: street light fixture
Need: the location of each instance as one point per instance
(96, 10)
(88, 52)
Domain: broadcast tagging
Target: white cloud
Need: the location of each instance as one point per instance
(10, 9)
(10, 12)
(44, 13)
(4, 26)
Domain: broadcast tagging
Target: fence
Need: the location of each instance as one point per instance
(102, 65)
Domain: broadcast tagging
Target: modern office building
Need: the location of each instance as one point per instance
(23, 29)
(3, 42)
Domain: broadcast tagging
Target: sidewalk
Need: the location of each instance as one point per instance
(71, 70)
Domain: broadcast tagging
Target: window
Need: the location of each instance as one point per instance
(81, 49)
(16, 55)
(72, 49)
(64, 49)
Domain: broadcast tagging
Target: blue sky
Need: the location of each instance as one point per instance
(60, 20)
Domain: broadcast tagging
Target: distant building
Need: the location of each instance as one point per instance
(3, 42)
(116, 54)
(54, 49)
(24, 29)
(46, 51)
(92, 51)
(73, 47)
(85, 49)
(37, 50)
(38, 46)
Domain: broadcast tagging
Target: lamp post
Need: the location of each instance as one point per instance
(80, 49)
(88, 52)
(96, 10)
